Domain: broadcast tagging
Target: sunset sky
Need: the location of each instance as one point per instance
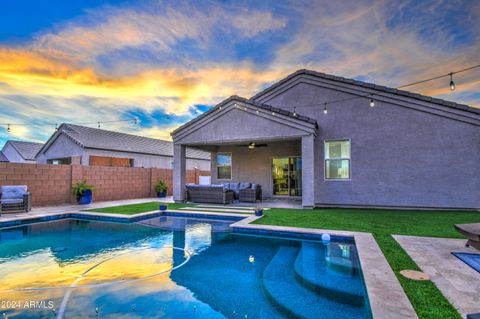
(91, 60)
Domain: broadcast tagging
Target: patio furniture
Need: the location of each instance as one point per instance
(250, 194)
(472, 232)
(214, 194)
(15, 198)
(245, 192)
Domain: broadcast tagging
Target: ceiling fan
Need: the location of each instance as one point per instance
(252, 145)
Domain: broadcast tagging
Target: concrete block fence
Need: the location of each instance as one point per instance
(52, 184)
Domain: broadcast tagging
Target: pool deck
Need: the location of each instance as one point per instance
(386, 296)
(458, 282)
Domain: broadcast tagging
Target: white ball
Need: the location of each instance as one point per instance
(325, 237)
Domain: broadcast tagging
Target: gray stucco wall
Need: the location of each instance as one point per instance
(399, 156)
(255, 165)
(65, 147)
(12, 155)
(62, 147)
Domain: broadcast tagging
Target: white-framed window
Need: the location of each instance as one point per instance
(224, 165)
(337, 159)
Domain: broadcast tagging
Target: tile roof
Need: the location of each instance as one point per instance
(89, 137)
(372, 86)
(28, 150)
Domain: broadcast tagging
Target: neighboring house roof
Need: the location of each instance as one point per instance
(241, 100)
(27, 150)
(3, 158)
(367, 85)
(95, 138)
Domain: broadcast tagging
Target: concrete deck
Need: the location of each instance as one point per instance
(458, 282)
(73, 208)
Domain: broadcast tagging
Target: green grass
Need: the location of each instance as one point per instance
(135, 208)
(425, 297)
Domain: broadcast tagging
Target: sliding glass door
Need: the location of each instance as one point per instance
(287, 176)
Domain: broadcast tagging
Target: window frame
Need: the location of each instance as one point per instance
(349, 159)
(217, 166)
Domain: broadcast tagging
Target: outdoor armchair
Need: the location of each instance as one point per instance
(15, 198)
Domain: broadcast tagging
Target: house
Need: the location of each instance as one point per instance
(20, 152)
(3, 158)
(337, 142)
(75, 144)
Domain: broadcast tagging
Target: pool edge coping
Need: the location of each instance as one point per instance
(386, 296)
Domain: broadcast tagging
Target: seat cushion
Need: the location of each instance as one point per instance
(12, 201)
(244, 186)
(9, 192)
(234, 186)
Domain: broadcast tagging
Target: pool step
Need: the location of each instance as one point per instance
(216, 210)
(283, 289)
(341, 283)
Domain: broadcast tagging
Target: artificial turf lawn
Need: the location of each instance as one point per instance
(425, 297)
(135, 208)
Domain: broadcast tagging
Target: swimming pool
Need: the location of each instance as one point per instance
(174, 267)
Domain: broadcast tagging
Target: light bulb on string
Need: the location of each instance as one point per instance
(452, 84)
(325, 111)
(8, 128)
(372, 103)
(294, 111)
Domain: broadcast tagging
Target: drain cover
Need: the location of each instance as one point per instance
(415, 275)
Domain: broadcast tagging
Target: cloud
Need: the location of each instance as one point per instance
(167, 57)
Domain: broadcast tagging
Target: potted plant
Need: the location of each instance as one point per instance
(161, 189)
(83, 192)
(258, 211)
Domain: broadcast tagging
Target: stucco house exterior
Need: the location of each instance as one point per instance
(76, 144)
(337, 142)
(19, 151)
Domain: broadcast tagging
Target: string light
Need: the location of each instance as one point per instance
(256, 110)
(98, 124)
(325, 111)
(56, 127)
(372, 103)
(294, 111)
(452, 84)
(8, 128)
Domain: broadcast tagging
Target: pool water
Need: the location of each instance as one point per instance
(173, 267)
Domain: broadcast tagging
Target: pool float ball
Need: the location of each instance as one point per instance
(251, 259)
(326, 239)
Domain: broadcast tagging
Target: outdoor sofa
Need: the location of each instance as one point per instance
(214, 194)
(15, 198)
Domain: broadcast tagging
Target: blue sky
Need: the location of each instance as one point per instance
(166, 61)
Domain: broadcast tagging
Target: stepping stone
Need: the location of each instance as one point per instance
(414, 275)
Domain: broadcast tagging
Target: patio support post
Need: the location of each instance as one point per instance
(308, 174)
(179, 164)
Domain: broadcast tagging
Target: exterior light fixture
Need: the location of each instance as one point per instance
(452, 84)
(372, 103)
(251, 145)
(325, 111)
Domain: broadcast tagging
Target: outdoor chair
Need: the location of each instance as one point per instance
(15, 199)
(250, 194)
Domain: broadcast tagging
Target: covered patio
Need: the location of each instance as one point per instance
(254, 143)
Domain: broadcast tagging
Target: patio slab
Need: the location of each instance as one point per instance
(458, 282)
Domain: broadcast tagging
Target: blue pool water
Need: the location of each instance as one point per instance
(173, 267)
